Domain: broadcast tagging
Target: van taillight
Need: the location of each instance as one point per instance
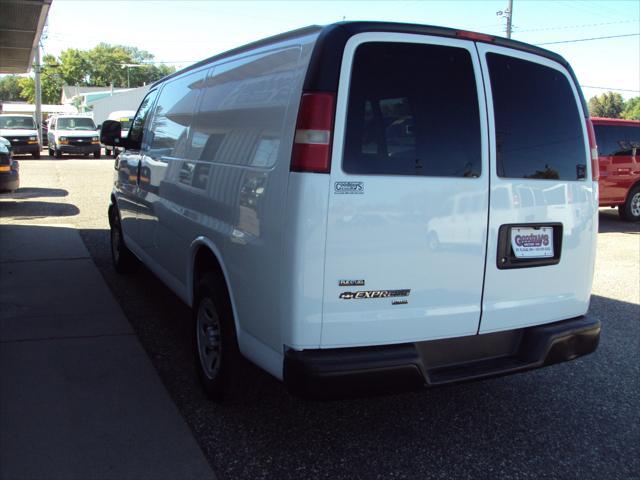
(593, 147)
(312, 142)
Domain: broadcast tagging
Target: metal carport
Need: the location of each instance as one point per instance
(21, 24)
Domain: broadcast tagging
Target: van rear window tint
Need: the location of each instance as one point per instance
(413, 110)
(538, 127)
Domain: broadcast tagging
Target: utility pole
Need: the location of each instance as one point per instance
(508, 14)
(37, 68)
(128, 66)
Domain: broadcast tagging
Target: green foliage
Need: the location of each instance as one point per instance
(102, 66)
(632, 109)
(609, 104)
(50, 81)
(10, 88)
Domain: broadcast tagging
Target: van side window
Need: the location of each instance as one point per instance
(413, 110)
(538, 126)
(260, 84)
(617, 140)
(173, 115)
(140, 120)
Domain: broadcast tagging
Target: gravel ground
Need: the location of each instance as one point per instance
(573, 420)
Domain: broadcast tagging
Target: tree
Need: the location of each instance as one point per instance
(609, 105)
(102, 66)
(50, 80)
(10, 88)
(632, 109)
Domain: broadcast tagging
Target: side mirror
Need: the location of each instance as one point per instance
(110, 133)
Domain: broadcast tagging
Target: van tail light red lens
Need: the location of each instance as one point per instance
(593, 148)
(314, 129)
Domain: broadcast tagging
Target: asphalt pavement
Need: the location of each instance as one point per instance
(573, 420)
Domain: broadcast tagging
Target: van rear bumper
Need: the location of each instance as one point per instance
(361, 370)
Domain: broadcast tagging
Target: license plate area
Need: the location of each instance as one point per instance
(526, 245)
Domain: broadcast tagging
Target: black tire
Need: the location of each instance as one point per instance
(630, 210)
(36, 155)
(123, 260)
(220, 370)
(96, 154)
(57, 154)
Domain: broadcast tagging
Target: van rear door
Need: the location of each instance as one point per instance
(406, 232)
(543, 201)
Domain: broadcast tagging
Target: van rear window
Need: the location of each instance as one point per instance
(538, 126)
(412, 110)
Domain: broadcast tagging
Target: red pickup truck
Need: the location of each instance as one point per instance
(619, 150)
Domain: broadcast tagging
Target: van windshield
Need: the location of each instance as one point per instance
(76, 124)
(16, 123)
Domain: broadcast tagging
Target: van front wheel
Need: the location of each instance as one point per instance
(630, 210)
(216, 348)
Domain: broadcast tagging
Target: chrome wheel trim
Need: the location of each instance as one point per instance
(635, 205)
(208, 338)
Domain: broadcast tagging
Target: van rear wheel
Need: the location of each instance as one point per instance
(218, 358)
(630, 210)
(123, 260)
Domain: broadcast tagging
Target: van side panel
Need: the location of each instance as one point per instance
(303, 260)
(229, 184)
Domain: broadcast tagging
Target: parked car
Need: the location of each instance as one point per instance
(45, 132)
(287, 191)
(619, 152)
(21, 131)
(9, 168)
(124, 117)
(73, 134)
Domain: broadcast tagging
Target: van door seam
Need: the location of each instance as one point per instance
(488, 151)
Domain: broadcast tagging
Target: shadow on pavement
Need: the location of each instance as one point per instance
(508, 426)
(30, 210)
(610, 222)
(35, 192)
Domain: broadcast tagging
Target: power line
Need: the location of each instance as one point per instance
(611, 88)
(564, 27)
(588, 39)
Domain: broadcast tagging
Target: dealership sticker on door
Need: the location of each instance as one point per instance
(527, 242)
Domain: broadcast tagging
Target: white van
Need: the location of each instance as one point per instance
(124, 117)
(73, 135)
(289, 190)
(21, 131)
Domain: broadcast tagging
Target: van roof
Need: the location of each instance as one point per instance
(615, 121)
(300, 32)
(324, 71)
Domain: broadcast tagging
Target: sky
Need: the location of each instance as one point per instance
(183, 32)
